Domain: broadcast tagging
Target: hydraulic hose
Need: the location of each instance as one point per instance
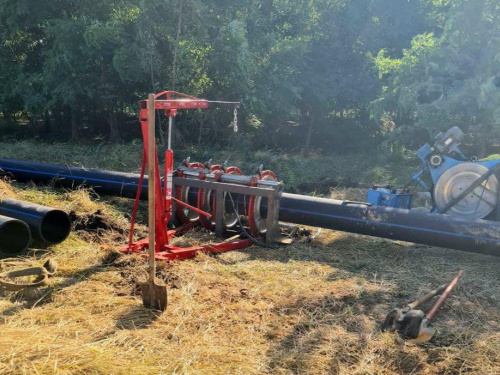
(47, 224)
(15, 236)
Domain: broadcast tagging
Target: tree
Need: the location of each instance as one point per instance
(447, 79)
(311, 74)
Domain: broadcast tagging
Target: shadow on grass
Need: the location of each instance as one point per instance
(138, 317)
(331, 336)
(37, 297)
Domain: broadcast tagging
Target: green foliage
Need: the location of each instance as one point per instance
(452, 79)
(310, 74)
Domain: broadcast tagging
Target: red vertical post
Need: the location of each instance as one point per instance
(163, 194)
(169, 170)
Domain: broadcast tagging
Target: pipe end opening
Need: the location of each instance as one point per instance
(55, 227)
(15, 237)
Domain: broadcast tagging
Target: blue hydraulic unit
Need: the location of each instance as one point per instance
(384, 195)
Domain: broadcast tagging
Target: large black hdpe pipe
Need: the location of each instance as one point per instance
(477, 236)
(105, 182)
(47, 224)
(15, 236)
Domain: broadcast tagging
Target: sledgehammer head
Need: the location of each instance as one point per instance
(398, 319)
(413, 324)
(407, 322)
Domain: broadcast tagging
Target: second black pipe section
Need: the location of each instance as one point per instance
(106, 182)
(477, 236)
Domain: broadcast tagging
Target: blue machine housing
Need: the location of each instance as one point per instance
(436, 160)
(384, 196)
(447, 162)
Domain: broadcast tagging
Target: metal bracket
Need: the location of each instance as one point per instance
(219, 213)
(272, 193)
(273, 207)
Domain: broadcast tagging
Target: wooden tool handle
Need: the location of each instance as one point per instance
(444, 296)
(151, 185)
(427, 297)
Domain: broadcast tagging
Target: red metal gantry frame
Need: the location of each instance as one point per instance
(172, 102)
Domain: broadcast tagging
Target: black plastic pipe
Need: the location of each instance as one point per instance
(47, 224)
(477, 236)
(15, 236)
(106, 182)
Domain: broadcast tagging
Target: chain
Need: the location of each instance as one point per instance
(234, 123)
(235, 120)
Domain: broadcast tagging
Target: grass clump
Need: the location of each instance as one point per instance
(303, 309)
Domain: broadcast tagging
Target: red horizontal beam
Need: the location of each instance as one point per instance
(181, 104)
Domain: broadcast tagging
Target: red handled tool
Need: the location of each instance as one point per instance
(411, 323)
(426, 332)
(153, 295)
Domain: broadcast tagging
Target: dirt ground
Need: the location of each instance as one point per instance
(310, 308)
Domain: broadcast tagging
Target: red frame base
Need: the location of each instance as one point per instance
(169, 252)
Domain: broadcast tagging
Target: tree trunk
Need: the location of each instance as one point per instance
(58, 119)
(177, 38)
(482, 140)
(200, 134)
(114, 129)
(33, 121)
(310, 131)
(75, 130)
(47, 122)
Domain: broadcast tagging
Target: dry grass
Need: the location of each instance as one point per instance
(6, 190)
(310, 308)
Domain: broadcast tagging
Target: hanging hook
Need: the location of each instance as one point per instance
(235, 120)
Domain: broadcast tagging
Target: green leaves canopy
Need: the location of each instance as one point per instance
(313, 74)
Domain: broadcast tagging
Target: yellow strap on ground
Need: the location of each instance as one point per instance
(42, 274)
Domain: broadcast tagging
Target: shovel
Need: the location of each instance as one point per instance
(426, 331)
(154, 296)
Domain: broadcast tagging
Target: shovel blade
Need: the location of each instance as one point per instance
(426, 332)
(154, 296)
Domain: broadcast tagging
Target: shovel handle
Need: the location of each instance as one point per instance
(444, 296)
(151, 188)
(427, 297)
